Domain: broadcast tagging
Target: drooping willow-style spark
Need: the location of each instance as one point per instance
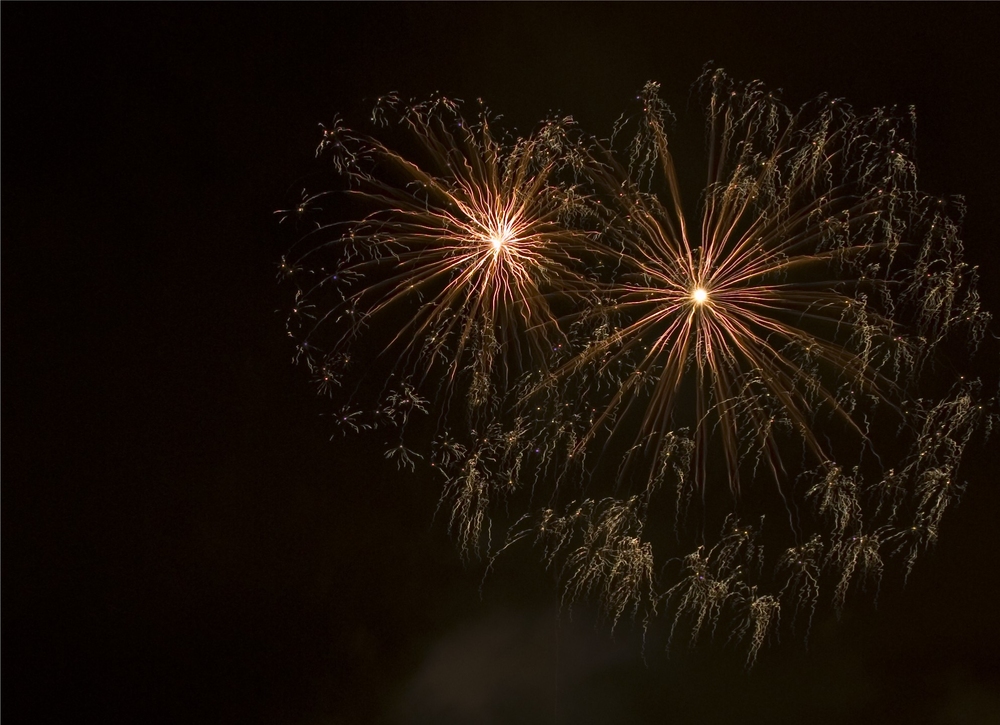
(785, 354)
(463, 248)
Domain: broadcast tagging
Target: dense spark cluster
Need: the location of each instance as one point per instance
(615, 382)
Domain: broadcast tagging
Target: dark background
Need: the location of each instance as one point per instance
(181, 541)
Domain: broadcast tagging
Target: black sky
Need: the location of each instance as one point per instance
(181, 541)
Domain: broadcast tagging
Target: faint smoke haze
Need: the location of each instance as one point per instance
(504, 667)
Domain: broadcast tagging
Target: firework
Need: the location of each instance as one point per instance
(790, 300)
(462, 250)
(779, 357)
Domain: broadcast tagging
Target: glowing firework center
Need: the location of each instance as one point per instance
(500, 235)
(699, 295)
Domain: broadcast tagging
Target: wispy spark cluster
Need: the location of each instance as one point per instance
(614, 380)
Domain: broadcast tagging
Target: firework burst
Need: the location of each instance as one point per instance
(465, 239)
(791, 302)
(783, 352)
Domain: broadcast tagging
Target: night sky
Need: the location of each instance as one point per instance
(182, 541)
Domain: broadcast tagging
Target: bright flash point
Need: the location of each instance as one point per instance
(699, 295)
(499, 232)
